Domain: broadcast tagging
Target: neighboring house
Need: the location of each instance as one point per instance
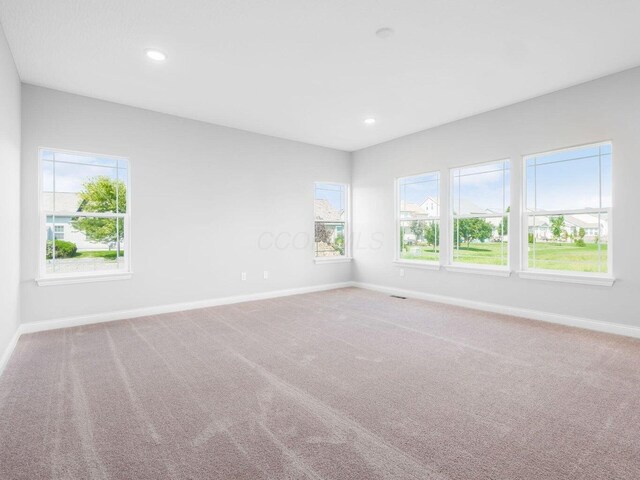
(595, 229)
(62, 229)
(426, 210)
(430, 209)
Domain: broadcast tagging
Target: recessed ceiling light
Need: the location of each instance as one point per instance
(384, 32)
(369, 121)
(155, 55)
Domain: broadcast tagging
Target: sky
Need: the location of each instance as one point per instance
(567, 180)
(333, 193)
(72, 171)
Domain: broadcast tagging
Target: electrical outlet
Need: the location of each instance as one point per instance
(402, 272)
(266, 275)
(244, 275)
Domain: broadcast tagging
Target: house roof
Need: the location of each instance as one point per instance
(64, 201)
(326, 212)
(465, 207)
(583, 220)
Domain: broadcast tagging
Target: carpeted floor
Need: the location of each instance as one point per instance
(347, 384)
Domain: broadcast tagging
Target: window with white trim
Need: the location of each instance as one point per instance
(84, 214)
(567, 210)
(331, 208)
(418, 218)
(480, 214)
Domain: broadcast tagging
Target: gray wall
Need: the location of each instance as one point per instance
(9, 195)
(605, 109)
(201, 197)
(223, 188)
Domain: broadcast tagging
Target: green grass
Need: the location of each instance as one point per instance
(106, 254)
(421, 252)
(568, 256)
(548, 255)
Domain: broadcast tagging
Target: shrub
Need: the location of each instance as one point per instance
(340, 243)
(579, 242)
(64, 249)
(530, 237)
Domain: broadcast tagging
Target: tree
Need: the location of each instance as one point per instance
(102, 195)
(557, 226)
(578, 237)
(340, 243)
(323, 234)
(417, 229)
(503, 226)
(432, 234)
(470, 229)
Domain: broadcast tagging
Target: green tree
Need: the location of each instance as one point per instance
(417, 229)
(578, 237)
(470, 229)
(503, 226)
(340, 243)
(557, 226)
(102, 195)
(432, 234)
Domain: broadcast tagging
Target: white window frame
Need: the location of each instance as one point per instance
(590, 278)
(498, 270)
(347, 225)
(44, 278)
(425, 264)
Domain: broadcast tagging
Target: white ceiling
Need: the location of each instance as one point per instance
(313, 70)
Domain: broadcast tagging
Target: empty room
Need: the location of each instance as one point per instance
(303, 239)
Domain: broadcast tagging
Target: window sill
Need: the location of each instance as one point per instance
(568, 278)
(477, 270)
(417, 264)
(69, 280)
(321, 260)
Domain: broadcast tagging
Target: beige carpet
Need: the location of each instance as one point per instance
(346, 384)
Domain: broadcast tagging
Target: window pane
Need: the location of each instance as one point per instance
(419, 215)
(420, 196)
(566, 185)
(329, 239)
(330, 202)
(90, 245)
(564, 182)
(482, 241)
(420, 240)
(573, 179)
(481, 189)
(74, 183)
(575, 243)
(330, 206)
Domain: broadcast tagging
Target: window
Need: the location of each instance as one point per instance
(480, 214)
(84, 214)
(567, 210)
(331, 214)
(59, 232)
(418, 218)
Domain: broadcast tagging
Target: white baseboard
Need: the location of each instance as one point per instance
(615, 328)
(6, 355)
(175, 307)
(79, 320)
